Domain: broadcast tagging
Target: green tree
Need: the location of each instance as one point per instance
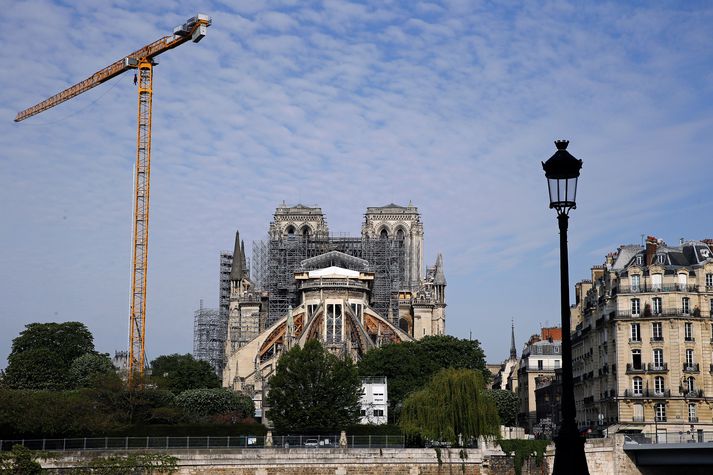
(43, 354)
(179, 373)
(313, 390)
(453, 403)
(409, 366)
(20, 460)
(208, 402)
(90, 369)
(508, 405)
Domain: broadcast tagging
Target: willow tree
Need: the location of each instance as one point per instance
(453, 403)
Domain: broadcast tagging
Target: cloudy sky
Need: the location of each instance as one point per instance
(452, 105)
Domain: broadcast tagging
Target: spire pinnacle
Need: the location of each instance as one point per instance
(513, 350)
(236, 273)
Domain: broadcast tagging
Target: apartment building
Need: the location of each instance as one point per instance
(540, 358)
(643, 341)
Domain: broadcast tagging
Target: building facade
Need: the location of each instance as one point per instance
(643, 342)
(374, 401)
(540, 358)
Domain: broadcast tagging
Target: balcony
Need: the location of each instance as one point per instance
(634, 340)
(689, 339)
(691, 368)
(630, 369)
(648, 288)
(695, 394)
(664, 312)
(647, 393)
(657, 368)
(656, 339)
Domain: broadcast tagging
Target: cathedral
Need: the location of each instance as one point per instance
(351, 293)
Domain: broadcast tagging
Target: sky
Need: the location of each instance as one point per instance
(451, 105)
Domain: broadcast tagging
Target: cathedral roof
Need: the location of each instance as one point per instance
(333, 271)
(335, 258)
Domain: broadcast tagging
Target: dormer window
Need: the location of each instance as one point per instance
(661, 259)
(639, 260)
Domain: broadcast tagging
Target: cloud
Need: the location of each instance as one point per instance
(346, 105)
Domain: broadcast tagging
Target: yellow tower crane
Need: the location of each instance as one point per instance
(142, 60)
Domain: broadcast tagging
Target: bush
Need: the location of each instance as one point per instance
(209, 402)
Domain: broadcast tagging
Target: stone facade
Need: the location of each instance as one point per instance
(540, 358)
(643, 344)
(334, 294)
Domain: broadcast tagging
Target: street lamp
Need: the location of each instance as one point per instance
(562, 172)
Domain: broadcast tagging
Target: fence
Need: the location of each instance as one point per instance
(207, 442)
(669, 437)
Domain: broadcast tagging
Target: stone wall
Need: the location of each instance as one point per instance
(301, 461)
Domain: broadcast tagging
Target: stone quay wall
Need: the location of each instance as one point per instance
(333, 461)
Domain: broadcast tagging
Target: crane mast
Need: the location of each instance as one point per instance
(143, 61)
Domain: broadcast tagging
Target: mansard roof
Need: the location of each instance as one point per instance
(688, 254)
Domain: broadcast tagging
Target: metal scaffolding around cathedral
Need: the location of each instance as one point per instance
(352, 293)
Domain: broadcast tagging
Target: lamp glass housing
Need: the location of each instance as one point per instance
(562, 172)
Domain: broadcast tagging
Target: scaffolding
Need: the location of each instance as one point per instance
(275, 262)
(209, 334)
(226, 263)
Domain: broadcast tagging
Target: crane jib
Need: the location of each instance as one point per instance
(195, 30)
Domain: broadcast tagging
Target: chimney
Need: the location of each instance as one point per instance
(651, 245)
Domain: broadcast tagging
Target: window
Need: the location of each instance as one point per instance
(661, 259)
(709, 280)
(362, 412)
(659, 385)
(658, 358)
(635, 332)
(682, 281)
(685, 305)
(711, 308)
(660, 412)
(656, 281)
(689, 358)
(688, 331)
(635, 306)
(378, 413)
(639, 260)
(539, 364)
(690, 384)
(638, 413)
(557, 364)
(692, 415)
(657, 331)
(637, 386)
(657, 305)
(635, 282)
(636, 359)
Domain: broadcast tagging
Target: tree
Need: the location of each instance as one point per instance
(508, 405)
(313, 390)
(91, 368)
(178, 373)
(43, 353)
(208, 402)
(409, 366)
(454, 404)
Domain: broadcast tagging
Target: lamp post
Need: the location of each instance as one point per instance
(562, 172)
